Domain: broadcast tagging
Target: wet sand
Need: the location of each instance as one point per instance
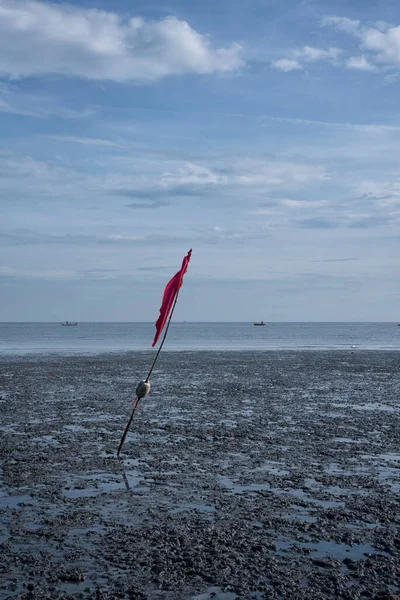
(263, 475)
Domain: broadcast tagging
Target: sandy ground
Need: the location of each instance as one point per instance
(251, 475)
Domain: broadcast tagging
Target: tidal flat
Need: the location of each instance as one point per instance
(245, 475)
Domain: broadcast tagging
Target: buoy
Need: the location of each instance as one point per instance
(143, 389)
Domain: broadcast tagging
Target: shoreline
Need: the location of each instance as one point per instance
(51, 353)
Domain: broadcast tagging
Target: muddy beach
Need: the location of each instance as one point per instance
(246, 475)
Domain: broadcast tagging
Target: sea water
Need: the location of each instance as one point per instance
(21, 338)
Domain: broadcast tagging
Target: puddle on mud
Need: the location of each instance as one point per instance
(15, 501)
(333, 414)
(336, 469)
(327, 548)
(101, 417)
(298, 493)
(333, 490)
(375, 406)
(271, 467)
(389, 476)
(85, 486)
(80, 586)
(13, 428)
(301, 514)
(386, 474)
(93, 529)
(46, 439)
(229, 423)
(133, 479)
(32, 527)
(75, 428)
(237, 488)
(385, 456)
(336, 490)
(216, 593)
(364, 525)
(347, 440)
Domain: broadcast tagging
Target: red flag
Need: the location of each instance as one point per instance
(170, 293)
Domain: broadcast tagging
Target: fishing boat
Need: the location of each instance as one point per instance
(69, 324)
(259, 324)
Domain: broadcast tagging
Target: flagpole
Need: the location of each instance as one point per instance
(137, 400)
(135, 405)
(163, 340)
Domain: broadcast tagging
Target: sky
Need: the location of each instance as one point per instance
(263, 134)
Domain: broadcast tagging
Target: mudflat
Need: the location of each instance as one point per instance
(251, 475)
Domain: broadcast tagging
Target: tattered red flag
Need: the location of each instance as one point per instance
(170, 293)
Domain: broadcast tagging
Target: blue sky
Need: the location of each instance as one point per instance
(265, 135)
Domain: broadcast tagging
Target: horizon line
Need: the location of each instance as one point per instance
(193, 322)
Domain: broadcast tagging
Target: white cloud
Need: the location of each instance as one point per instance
(83, 141)
(360, 63)
(342, 23)
(379, 192)
(192, 173)
(382, 42)
(311, 54)
(247, 172)
(221, 234)
(362, 128)
(6, 102)
(26, 237)
(385, 43)
(36, 187)
(303, 203)
(278, 173)
(307, 54)
(15, 101)
(265, 211)
(281, 206)
(38, 38)
(4, 106)
(377, 205)
(124, 238)
(286, 65)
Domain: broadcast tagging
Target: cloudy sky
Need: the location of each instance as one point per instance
(263, 134)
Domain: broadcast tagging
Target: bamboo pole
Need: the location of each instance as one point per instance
(163, 340)
(135, 405)
(137, 400)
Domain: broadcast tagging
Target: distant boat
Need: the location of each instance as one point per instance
(259, 324)
(69, 324)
